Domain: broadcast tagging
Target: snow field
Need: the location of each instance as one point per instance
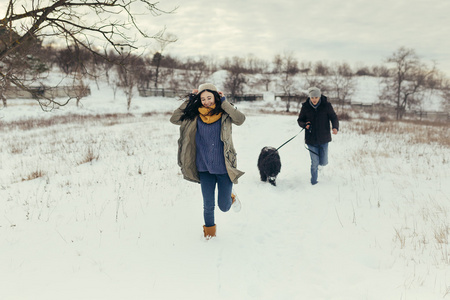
(126, 225)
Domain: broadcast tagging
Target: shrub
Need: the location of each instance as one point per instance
(34, 175)
(384, 119)
(344, 117)
(89, 157)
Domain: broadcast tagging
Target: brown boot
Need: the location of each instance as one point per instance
(209, 232)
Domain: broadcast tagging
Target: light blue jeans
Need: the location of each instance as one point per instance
(224, 186)
(319, 157)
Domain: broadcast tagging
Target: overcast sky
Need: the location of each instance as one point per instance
(353, 31)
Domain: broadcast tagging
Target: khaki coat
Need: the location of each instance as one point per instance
(187, 150)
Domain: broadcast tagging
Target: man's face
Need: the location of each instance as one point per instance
(315, 100)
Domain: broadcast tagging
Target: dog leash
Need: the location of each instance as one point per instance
(294, 138)
(291, 139)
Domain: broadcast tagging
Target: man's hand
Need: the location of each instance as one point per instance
(335, 131)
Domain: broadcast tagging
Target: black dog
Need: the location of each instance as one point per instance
(269, 164)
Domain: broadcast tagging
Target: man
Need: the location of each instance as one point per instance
(315, 117)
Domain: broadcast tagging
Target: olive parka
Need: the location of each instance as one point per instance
(187, 149)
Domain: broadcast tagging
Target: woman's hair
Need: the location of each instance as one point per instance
(191, 110)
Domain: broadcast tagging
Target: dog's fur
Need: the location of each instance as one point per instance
(269, 164)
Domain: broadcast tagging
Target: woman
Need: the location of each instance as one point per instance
(205, 149)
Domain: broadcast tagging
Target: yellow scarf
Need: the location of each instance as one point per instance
(204, 114)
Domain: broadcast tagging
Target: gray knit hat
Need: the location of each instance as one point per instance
(207, 86)
(314, 92)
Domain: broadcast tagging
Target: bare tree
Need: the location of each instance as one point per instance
(235, 79)
(407, 82)
(79, 24)
(321, 68)
(306, 67)
(262, 68)
(128, 73)
(286, 66)
(80, 89)
(266, 79)
(3, 88)
(254, 65)
(145, 77)
(341, 82)
(126, 82)
(20, 65)
(362, 70)
(211, 63)
(445, 90)
(164, 41)
(71, 60)
(194, 77)
(315, 80)
(380, 71)
(115, 86)
(4, 84)
(434, 87)
(194, 72)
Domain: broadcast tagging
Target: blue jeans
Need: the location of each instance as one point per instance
(208, 183)
(319, 156)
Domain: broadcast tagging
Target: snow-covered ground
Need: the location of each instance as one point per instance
(127, 226)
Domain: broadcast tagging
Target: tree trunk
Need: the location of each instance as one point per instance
(157, 73)
(3, 100)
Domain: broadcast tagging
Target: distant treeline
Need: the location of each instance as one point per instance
(406, 81)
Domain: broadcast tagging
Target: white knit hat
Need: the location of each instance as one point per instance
(207, 86)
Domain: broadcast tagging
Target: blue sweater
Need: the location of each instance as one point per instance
(210, 156)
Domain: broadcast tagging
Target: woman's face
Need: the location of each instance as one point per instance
(207, 99)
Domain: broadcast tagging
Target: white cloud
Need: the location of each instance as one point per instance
(354, 30)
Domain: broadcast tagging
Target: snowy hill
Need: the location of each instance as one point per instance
(108, 215)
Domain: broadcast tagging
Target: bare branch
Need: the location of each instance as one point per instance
(79, 23)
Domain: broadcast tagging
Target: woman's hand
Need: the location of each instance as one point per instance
(222, 96)
(195, 91)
